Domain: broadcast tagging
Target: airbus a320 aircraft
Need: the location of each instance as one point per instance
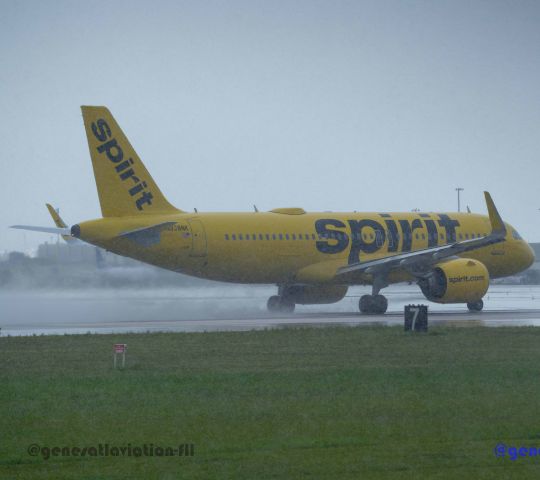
(312, 257)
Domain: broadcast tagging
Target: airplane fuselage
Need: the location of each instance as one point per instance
(289, 246)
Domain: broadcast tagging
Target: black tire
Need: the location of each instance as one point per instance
(475, 306)
(277, 304)
(380, 304)
(373, 304)
(274, 304)
(287, 306)
(365, 304)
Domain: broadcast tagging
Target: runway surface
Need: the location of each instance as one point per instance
(237, 308)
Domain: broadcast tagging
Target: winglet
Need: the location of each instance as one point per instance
(497, 224)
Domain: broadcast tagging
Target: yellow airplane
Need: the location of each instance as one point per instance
(312, 257)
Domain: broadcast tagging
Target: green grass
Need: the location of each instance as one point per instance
(296, 403)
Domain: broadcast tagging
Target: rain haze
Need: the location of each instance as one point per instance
(331, 106)
(367, 106)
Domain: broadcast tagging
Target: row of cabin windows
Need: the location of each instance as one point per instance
(339, 235)
(271, 236)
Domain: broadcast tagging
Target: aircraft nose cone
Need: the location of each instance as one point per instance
(525, 256)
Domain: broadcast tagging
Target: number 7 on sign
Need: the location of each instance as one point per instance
(416, 311)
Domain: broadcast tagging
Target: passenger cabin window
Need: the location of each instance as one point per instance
(234, 236)
(226, 236)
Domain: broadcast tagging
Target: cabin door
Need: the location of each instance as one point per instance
(198, 238)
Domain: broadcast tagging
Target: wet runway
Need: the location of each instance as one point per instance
(237, 308)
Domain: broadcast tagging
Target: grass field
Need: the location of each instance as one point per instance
(296, 403)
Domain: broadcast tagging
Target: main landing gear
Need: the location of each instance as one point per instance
(475, 306)
(373, 304)
(279, 304)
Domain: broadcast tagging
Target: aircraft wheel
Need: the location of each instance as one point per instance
(273, 304)
(380, 304)
(287, 306)
(279, 304)
(366, 303)
(373, 304)
(475, 306)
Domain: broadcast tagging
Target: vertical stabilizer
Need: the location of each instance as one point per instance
(125, 187)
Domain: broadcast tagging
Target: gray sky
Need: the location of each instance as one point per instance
(368, 106)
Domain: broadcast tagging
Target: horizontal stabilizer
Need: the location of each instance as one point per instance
(58, 231)
(147, 236)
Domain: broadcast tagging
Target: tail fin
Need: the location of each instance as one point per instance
(124, 185)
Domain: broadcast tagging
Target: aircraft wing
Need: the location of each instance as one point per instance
(59, 231)
(420, 261)
(146, 236)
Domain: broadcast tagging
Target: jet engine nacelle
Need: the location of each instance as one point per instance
(457, 281)
(315, 294)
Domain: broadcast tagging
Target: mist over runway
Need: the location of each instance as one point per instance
(235, 308)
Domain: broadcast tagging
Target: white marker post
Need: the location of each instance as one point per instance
(120, 348)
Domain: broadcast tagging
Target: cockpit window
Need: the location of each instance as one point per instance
(516, 235)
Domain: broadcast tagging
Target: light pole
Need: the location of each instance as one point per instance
(458, 190)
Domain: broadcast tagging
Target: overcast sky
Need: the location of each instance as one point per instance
(368, 106)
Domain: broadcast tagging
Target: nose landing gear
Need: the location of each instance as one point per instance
(475, 306)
